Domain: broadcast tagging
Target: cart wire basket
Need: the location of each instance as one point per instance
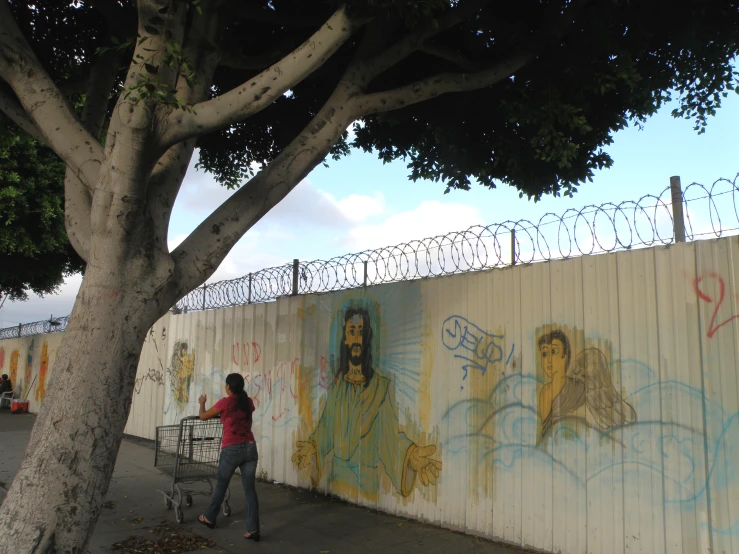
(188, 453)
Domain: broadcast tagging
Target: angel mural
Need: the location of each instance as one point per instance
(180, 373)
(585, 382)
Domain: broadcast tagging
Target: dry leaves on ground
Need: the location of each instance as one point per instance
(171, 541)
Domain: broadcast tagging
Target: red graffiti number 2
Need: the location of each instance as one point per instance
(713, 327)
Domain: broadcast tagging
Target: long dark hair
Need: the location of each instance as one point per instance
(344, 351)
(235, 382)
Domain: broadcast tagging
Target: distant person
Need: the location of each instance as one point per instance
(238, 449)
(5, 384)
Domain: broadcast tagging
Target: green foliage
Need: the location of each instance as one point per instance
(544, 131)
(35, 254)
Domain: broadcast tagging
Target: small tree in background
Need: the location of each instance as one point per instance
(35, 254)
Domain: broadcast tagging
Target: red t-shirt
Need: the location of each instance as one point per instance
(236, 428)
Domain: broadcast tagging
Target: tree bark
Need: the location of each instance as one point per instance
(56, 497)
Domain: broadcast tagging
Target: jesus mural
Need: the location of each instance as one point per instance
(359, 426)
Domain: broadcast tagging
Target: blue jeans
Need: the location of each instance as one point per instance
(243, 456)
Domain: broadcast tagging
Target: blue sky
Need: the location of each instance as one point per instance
(359, 202)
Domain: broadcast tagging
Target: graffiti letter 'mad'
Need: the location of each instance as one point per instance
(359, 425)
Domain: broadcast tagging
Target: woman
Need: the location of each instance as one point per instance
(238, 449)
(5, 384)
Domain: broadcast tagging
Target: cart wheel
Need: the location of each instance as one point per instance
(226, 509)
(167, 503)
(179, 516)
(188, 500)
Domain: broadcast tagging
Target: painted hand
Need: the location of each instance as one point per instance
(203, 398)
(304, 454)
(427, 468)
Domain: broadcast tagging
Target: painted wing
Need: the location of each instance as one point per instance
(569, 399)
(604, 402)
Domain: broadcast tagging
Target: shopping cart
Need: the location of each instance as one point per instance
(189, 453)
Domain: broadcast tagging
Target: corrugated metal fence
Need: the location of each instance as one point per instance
(582, 405)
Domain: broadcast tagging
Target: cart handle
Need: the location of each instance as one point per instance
(192, 417)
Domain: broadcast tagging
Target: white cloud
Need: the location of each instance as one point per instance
(38, 308)
(358, 208)
(429, 219)
(305, 206)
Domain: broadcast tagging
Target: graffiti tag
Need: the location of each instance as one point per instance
(263, 386)
(154, 375)
(479, 348)
(245, 353)
(713, 326)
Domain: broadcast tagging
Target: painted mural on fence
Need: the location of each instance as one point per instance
(28, 362)
(578, 389)
(577, 403)
(43, 369)
(13, 372)
(356, 434)
(28, 374)
(181, 369)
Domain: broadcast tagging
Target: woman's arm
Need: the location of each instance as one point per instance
(207, 414)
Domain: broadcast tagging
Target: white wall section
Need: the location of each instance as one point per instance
(582, 405)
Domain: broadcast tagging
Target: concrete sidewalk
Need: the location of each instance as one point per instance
(292, 520)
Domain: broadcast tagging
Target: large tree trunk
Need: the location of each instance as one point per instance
(55, 498)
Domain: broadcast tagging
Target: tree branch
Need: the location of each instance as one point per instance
(44, 103)
(401, 49)
(77, 208)
(77, 199)
(198, 256)
(259, 92)
(170, 170)
(437, 85)
(443, 83)
(12, 107)
(450, 55)
(100, 82)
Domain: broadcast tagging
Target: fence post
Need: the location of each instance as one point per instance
(513, 247)
(19, 330)
(678, 220)
(364, 282)
(296, 266)
(205, 288)
(249, 297)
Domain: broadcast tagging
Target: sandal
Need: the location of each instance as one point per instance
(208, 524)
(252, 536)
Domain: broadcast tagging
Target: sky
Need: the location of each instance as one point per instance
(360, 203)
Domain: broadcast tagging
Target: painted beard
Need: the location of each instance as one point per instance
(355, 359)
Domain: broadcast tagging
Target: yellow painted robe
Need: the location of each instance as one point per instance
(360, 426)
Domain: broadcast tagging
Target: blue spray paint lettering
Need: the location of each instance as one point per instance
(479, 348)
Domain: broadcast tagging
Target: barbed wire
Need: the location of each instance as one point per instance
(52, 325)
(592, 229)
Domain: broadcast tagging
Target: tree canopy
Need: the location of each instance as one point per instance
(543, 130)
(35, 254)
